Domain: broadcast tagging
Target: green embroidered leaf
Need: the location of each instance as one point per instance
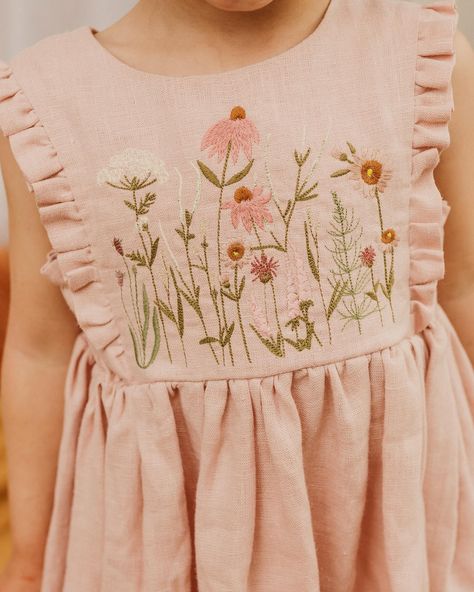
(391, 281)
(208, 340)
(229, 295)
(210, 176)
(146, 313)
(274, 347)
(351, 148)
(138, 258)
(385, 293)
(181, 233)
(336, 296)
(157, 335)
(167, 311)
(228, 334)
(311, 260)
(241, 287)
(192, 302)
(146, 203)
(188, 217)
(129, 204)
(340, 172)
(135, 346)
(307, 197)
(154, 251)
(288, 206)
(240, 175)
(372, 295)
(180, 315)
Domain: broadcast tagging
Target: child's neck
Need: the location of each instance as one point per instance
(186, 37)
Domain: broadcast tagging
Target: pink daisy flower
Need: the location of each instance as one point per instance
(236, 129)
(249, 207)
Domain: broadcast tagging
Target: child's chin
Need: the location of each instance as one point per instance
(239, 5)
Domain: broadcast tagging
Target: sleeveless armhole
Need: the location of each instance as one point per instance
(433, 108)
(70, 263)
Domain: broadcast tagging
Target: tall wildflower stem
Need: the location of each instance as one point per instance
(272, 284)
(219, 256)
(385, 265)
(162, 320)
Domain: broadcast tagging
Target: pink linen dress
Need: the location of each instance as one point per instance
(265, 395)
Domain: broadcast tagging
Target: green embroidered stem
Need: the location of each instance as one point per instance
(388, 288)
(349, 275)
(280, 332)
(134, 300)
(213, 293)
(219, 260)
(314, 267)
(374, 288)
(147, 256)
(139, 362)
(272, 284)
(238, 295)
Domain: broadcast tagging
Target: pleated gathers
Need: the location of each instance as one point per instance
(354, 476)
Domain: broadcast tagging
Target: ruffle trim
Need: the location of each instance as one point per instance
(433, 108)
(70, 263)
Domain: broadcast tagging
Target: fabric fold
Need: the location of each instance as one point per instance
(433, 107)
(74, 268)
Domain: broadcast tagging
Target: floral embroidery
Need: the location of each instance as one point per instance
(389, 240)
(231, 135)
(210, 279)
(372, 177)
(264, 268)
(250, 207)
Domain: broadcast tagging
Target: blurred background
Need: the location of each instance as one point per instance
(22, 23)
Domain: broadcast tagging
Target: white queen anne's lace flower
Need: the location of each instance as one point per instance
(133, 164)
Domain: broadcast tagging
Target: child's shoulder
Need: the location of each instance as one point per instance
(59, 52)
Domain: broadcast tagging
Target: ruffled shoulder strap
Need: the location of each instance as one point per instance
(433, 108)
(71, 263)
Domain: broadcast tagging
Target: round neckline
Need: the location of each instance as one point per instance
(286, 55)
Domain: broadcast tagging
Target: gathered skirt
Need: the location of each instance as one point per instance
(357, 476)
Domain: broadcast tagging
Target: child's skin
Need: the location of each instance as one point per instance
(214, 35)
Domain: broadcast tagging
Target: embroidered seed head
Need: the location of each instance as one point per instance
(242, 194)
(264, 268)
(389, 239)
(117, 243)
(371, 172)
(133, 169)
(235, 133)
(119, 276)
(367, 256)
(237, 113)
(249, 207)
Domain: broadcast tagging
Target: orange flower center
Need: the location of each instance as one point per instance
(388, 236)
(237, 113)
(371, 172)
(236, 251)
(242, 194)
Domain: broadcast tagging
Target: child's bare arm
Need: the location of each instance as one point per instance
(455, 179)
(40, 333)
